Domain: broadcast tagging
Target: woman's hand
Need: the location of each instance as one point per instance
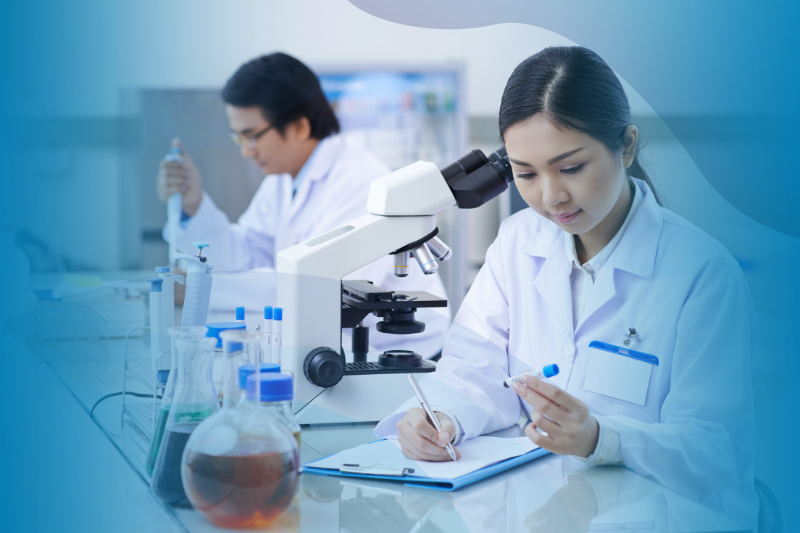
(570, 429)
(420, 441)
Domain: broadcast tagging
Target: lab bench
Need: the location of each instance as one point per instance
(550, 494)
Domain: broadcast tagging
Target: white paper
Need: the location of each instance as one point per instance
(476, 453)
(618, 377)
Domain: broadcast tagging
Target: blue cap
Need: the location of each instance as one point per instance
(268, 312)
(278, 313)
(274, 387)
(160, 270)
(200, 244)
(240, 313)
(155, 284)
(245, 371)
(550, 370)
(215, 328)
(162, 376)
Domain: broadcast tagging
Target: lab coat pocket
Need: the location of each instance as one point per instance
(619, 373)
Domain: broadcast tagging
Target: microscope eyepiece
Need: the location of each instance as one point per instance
(475, 179)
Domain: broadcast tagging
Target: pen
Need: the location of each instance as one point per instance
(548, 372)
(424, 403)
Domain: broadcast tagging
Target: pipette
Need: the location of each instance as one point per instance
(174, 208)
(198, 287)
(162, 314)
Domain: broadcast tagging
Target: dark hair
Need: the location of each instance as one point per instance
(285, 89)
(575, 89)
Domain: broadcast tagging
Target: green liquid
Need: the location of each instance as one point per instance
(155, 444)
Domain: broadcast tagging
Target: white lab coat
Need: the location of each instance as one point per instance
(687, 299)
(333, 192)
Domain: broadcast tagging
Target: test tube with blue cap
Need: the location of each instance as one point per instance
(277, 335)
(266, 335)
(547, 372)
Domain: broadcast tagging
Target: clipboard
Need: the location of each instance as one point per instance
(409, 479)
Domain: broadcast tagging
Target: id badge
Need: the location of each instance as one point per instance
(619, 373)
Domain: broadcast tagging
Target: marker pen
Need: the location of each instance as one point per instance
(266, 336)
(277, 334)
(548, 372)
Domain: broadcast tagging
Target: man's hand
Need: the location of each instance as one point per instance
(420, 441)
(174, 177)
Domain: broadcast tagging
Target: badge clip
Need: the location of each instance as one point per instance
(632, 335)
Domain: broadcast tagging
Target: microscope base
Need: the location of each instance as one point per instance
(364, 398)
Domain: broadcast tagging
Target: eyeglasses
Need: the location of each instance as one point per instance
(248, 141)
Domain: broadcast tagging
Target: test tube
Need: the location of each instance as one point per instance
(277, 335)
(547, 371)
(266, 336)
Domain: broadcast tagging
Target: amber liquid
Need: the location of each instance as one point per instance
(241, 491)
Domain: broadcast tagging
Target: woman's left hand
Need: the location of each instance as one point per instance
(570, 429)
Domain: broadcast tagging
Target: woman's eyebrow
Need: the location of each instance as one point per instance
(556, 159)
(565, 155)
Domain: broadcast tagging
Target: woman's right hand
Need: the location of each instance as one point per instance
(174, 177)
(420, 441)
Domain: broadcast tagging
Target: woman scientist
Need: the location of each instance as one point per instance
(648, 318)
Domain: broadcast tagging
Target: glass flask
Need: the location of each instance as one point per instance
(276, 399)
(192, 403)
(241, 466)
(178, 332)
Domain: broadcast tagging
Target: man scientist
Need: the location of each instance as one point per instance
(315, 180)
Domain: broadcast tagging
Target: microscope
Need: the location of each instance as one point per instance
(317, 302)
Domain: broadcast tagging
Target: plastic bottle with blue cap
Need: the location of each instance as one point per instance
(245, 371)
(198, 287)
(276, 398)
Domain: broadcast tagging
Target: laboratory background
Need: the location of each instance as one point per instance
(81, 144)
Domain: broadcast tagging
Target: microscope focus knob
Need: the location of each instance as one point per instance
(323, 367)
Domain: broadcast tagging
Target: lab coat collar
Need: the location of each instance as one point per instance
(316, 168)
(635, 252)
(322, 158)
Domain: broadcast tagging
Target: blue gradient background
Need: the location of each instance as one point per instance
(722, 75)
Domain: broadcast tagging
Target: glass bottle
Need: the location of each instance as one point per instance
(241, 466)
(276, 399)
(245, 371)
(193, 402)
(178, 332)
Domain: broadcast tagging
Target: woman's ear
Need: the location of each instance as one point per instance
(629, 149)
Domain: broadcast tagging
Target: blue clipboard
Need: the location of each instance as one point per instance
(434, 483)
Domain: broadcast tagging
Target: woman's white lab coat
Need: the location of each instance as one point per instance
(333, 192)
(688, 301)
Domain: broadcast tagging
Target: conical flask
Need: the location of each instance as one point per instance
(241, 466)
(193, 402)
(178, 332)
